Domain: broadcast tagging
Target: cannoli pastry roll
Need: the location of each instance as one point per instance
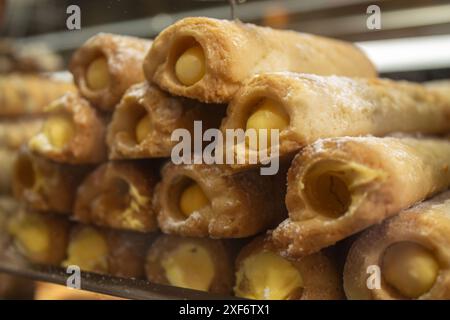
(7, 158)
(118, 195)
(14, 133)
(338, 187)
(209, 59)
(146, 117)
(106, 66)
(41, 239)
(73, 132)
(45, 185)
(215, 201)
(194, 263)
(303, 108)
(97, 250)
(20, 94)
(263, 274)
(411, 253)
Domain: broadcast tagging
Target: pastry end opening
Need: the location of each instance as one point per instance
(188, 61)
(326, 189)
(265, 114)
(267, 276)
(409, 268)
(189, 266)
(97, 76)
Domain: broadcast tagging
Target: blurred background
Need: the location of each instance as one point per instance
(414, 34)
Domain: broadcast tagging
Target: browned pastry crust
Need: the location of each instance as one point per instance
(45, 185)
(124, 56)
(338, 187)
(427, 224)
(56, 232)
(241, 204)
(88, 142)
(235, 51)
(324, 107)
(165, 113)
(16, 132)
(221, 254)
(126, 252)
(118, 195)
(319, 272)
(21, 94)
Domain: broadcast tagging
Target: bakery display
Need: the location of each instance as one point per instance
(225, 159)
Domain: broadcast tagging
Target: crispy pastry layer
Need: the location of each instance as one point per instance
(78, 129)
(229, 52)
(176, 258)
(45, 185)
(427, 224)
(124, 56)
(235, 204)
(118, 195)
(20, 94)
(313, 277)
(325, 107)
(164, 114)
(337, 187)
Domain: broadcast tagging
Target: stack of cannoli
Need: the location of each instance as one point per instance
(78, 209)
(104, 189)
(22, 101)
